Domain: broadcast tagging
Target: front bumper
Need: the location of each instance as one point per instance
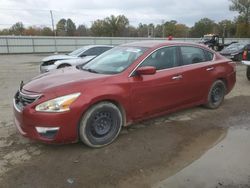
(44, 69)
(47, 127)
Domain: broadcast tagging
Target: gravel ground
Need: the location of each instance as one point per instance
(175, 150)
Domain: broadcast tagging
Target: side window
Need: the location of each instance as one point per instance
(209, 55)
(162, 59)
(191, 55)
(103, 49)
(90, 52)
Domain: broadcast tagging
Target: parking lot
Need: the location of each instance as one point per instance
(191, 148)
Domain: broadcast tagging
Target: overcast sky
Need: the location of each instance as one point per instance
(36, 12)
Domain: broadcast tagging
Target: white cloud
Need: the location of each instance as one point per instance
(36, 12)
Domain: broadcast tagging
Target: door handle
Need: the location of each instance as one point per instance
(210, 68)
(177, 77)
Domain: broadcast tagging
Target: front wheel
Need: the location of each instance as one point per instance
(248, 73)
(100, 125)
(216, 94)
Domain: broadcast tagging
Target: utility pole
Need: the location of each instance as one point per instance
(163, 28)
(53, 28)
(224, 33)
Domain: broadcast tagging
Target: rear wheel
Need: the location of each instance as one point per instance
(63, 65)
(248, 73)
(216, 94)
(100, 125)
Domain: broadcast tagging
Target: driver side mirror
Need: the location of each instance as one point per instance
(147, 70)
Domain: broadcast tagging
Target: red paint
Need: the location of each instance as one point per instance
(142, 96)
(147, 70)
(244, 56)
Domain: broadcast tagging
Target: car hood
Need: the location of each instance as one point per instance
(58, 57)
(58, 79)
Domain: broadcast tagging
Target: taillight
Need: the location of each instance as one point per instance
(244, 55)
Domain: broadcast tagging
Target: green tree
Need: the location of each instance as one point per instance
(158, 31)
(70, 27)
(98, 28)
(115, 25)
(32, 31)
(82, 30)
(227, 27)
(46, 31)
(142, 30)
(243, 7)
(242, 21)
(61, 27)
(130, 31)
(170, 27)
(112, 26)
(17, 28)
(181, 30)
(5, 32)
(202, 27)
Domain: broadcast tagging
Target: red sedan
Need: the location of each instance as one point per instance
(129, 83)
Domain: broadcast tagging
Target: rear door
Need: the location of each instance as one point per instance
(198, 73)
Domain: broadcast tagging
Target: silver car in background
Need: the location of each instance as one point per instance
(77, 57)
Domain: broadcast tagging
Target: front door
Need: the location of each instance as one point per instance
(152, 94)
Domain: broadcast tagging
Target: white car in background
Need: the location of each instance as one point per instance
(77, 57)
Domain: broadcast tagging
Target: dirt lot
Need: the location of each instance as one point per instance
(192, 148)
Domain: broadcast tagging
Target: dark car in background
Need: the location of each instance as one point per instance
(128, 83)
(234, 51)
(246, 60)
(77, 57)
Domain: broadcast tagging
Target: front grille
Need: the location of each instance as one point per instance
(22, 100)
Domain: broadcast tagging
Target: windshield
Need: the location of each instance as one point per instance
(115, 60)
(235, 46)
(77, 52)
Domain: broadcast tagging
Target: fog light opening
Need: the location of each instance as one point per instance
(47, 132)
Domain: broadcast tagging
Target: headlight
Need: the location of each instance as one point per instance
(60, 104)
(47, 63)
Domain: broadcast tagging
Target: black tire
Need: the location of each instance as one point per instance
(100, 125)
(216, 94)
(63, 65)
(248, 73)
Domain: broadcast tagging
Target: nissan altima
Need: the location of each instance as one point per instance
(128, 83)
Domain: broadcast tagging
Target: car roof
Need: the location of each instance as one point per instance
(99, 45)
(159, 43)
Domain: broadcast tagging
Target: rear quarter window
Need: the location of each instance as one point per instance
(209, 55)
